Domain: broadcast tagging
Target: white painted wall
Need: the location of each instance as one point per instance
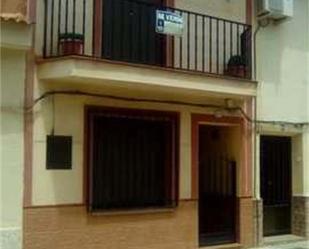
(305, 161)
(63, 187)
(15, 40)
(66, 186)
(230, 10)
(283, 75)
(11, 147)
(15, 35)
(282, 67)
(234, 10)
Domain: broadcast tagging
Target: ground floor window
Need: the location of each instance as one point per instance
(133, 159)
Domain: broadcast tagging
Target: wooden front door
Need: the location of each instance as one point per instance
(217, 189)
(129, 32)
(276, 184)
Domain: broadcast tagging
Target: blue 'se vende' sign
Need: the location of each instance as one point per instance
(169, 23)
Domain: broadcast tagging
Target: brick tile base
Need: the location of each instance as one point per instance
(72, 227)
(246, 225)
(258, 222)
(300, 216)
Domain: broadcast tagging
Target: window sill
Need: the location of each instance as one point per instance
(129, 212)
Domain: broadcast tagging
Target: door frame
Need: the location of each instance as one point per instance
(244, 208)
(97, 43)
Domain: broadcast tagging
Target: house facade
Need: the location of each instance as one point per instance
(151, 98)
(154, 124)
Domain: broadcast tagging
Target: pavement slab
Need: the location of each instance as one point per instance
(284, 242)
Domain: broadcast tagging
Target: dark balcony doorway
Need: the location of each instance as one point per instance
(129, 32)
(276, 184)
(217, 187)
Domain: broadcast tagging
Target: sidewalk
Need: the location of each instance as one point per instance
(284, 242)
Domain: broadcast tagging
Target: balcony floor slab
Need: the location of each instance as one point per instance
(96, 73)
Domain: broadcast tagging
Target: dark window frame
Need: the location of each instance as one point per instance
(174, 118)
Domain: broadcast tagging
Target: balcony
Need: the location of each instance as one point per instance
(126, 31)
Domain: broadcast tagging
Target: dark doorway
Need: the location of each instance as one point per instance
(217, 187)
(276, 184)
(129, 32)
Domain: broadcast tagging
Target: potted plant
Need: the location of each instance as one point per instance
(236, 66)
(71, 43)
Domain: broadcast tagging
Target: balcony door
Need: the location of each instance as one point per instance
(129, 32)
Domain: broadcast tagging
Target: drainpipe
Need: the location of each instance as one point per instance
(255, 122)
(254, 49)
(257, 233)
(255, 132)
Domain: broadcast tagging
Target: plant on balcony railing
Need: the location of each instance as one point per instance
(236, 66)
(71, 44)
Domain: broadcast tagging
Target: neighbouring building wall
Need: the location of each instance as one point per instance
(282, 67)
(11, 164)
(14, 9)
(15, 39)
(300, 202)
(306, 149)
(283, 75)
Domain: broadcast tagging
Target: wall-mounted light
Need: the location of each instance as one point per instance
(218, 113)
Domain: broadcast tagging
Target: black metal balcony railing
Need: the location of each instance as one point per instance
(125, 30)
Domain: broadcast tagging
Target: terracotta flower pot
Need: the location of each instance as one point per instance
(71, 44)
(238, 71)
(236, 66)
